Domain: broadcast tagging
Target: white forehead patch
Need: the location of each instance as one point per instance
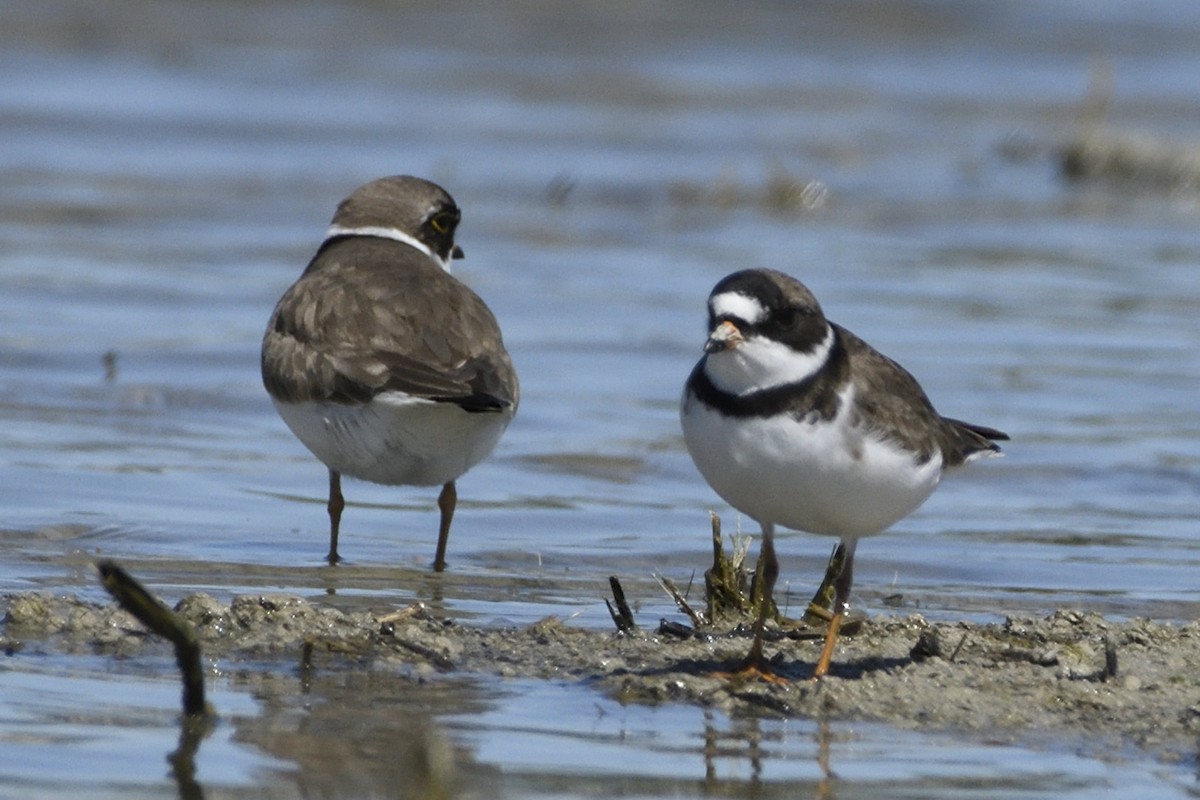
(395, 234)
(738, 306)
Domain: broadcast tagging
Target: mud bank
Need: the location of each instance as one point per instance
(1076, 679)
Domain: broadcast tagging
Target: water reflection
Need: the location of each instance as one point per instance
(720, 745)
(192, 731)
(345, 732)
(120, 733)
(742, 740)
(354, 734)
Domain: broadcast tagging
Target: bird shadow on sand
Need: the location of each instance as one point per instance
(782, 670)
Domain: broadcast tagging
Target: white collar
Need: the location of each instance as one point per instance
(395, 234)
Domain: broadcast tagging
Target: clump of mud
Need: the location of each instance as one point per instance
(1071, 676)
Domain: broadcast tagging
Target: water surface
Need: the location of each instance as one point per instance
(168, 169)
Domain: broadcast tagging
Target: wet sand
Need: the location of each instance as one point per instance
(1077, 680)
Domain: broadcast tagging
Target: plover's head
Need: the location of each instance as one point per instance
(407, 209)
(765, 329)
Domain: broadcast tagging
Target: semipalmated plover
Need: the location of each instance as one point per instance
(384, 365)
(795, 421)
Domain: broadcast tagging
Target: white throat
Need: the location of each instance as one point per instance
(395, 234)
(759, 363)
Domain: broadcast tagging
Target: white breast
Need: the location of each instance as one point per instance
(822, 477)
(395, 438)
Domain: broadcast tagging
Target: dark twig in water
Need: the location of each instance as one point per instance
(109, 359)
(151, 612)
(667, 627)
(622, 617)
(1110, 660)
(959, 646)
(440, 661)
(680, 601)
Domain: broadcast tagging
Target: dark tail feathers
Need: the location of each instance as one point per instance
(973, 440)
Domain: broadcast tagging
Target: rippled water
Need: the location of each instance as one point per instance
(168, 168)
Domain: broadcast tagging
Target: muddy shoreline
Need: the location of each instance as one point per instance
(1099, 687)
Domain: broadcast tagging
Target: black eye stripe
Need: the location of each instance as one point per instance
(747, 328)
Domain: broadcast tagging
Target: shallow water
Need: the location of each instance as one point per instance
(112, 733)
(168, 169)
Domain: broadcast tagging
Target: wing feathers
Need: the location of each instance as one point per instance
(388, 320)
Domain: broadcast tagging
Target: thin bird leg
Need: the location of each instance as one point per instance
(754, 661)
(336, 504)
(447, 501)
(818, 611)
(841, 603)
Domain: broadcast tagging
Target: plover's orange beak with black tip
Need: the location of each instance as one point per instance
(725, 336)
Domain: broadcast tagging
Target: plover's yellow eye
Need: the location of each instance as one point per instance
(442, 223)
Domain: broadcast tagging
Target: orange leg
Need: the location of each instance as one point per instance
(447, 501)
(831, 636)
(841, 603)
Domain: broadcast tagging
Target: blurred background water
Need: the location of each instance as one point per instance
(168, 168)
